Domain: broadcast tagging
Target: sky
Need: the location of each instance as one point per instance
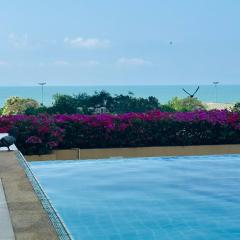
(120, 42)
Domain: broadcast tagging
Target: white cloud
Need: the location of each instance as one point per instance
(133, 62)
(19, 41)
(90, 63)
(87, 42)
(64, 63)
(23, 41)
(81, 63)
(61, 63)
(3, 63)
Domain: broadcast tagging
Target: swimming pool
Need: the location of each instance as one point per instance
(171, 198)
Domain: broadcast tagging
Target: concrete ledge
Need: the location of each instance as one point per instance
(81, 154)
(68, 154)
(29, 219)
(63, 154)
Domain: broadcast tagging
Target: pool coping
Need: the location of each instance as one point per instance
(101, 153)
(30, 210)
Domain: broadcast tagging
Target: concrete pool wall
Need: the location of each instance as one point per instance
(83, 154)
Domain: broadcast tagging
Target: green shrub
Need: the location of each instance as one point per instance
(186, 104)
(236, 107)
(86, 104)
(64, 104)
(17, 105)
(36, 111)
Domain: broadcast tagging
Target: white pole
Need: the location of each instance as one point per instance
(42, 84)
(216, 90)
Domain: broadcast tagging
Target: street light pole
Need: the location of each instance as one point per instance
(216, 93)
(42, 84)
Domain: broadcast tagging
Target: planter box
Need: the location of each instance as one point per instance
(67, 154)
(44, 157)
(81, 154)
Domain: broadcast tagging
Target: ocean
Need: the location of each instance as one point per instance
(206, 93)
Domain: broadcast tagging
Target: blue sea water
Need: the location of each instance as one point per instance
(183, 198)
(207, 93)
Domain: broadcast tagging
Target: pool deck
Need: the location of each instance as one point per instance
(28, 218)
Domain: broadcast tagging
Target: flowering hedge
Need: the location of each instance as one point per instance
(35, 134)
(40, 134)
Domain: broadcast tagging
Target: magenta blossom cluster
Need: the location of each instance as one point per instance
(33, 140)
(35, 134)
(222, 117)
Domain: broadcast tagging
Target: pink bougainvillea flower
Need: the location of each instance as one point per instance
(33, 140)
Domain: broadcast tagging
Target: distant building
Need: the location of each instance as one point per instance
(100, 110)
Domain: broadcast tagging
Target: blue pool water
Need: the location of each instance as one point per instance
(173, 198)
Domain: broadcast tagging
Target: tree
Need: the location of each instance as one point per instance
(236, 107)
(64, 104)
(39, 110)
(186, 104)
(17, 105)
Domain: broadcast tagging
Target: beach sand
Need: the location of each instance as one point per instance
(219, 106)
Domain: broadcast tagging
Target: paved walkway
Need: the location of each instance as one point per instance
(29, 219)
(6, 230)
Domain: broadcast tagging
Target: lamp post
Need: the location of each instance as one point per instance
(216, 93)
(42, 84)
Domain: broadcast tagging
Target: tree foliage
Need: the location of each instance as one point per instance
(236, 107)
(17, 105)
(186, 104)
(87, 104)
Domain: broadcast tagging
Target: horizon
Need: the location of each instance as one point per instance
(121, 85)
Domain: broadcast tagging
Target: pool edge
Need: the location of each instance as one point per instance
(55, 218)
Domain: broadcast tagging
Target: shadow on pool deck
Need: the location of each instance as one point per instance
(29, 219)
